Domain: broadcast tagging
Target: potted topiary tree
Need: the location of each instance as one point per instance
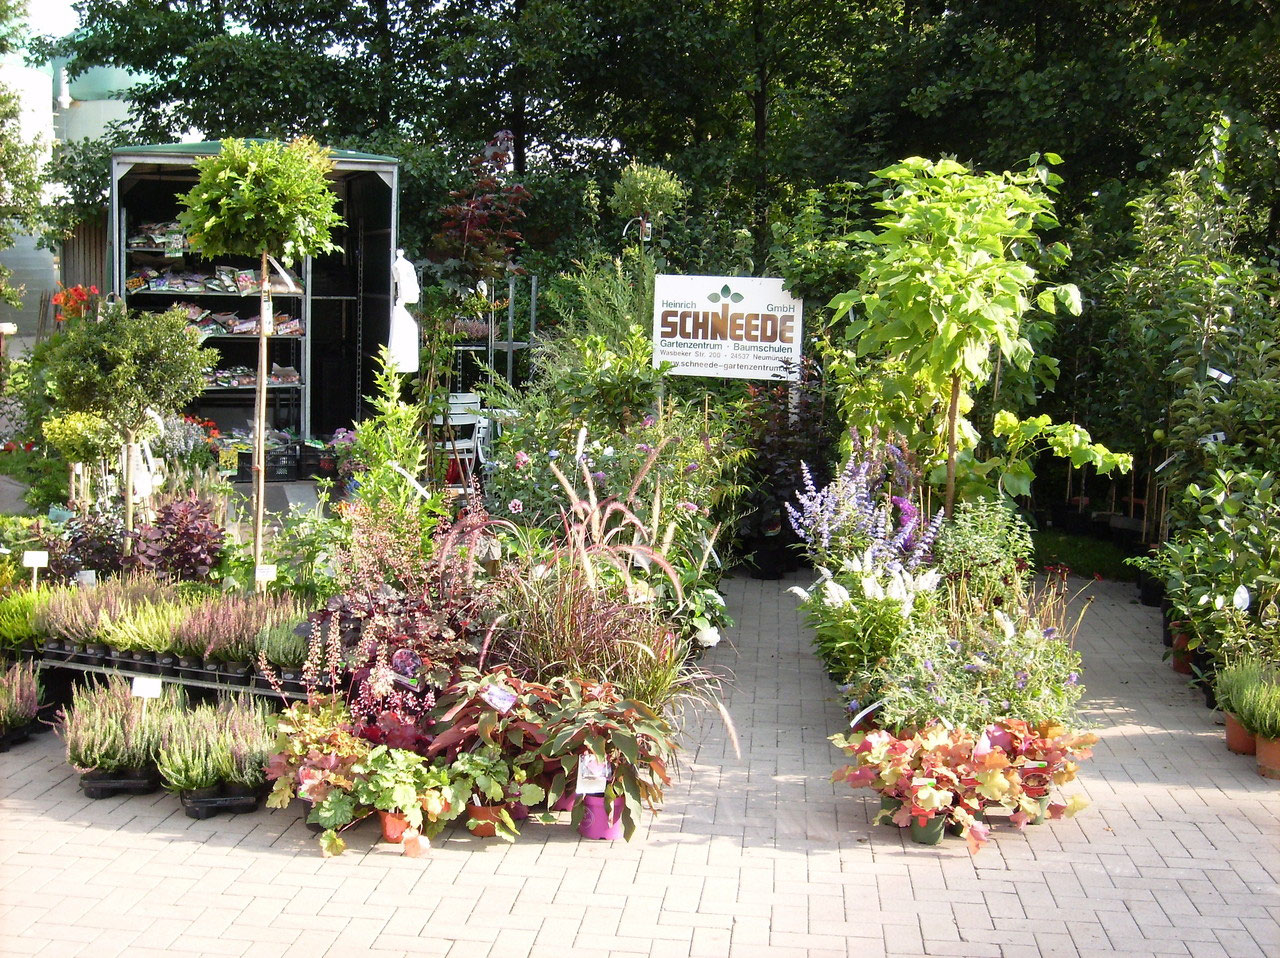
(262, 198)
(124, 367)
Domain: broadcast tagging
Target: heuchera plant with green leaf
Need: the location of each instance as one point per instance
(491, 780)
(401, 782)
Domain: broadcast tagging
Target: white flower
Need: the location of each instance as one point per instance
(929, 581)
(609, 452)
(1006, 624)
(708, 637)
(804, 596)
(871, 588)
(641, 592)
(897, 587)
(834, 594)
(713, 597)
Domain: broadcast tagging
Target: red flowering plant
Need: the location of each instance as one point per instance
(75, 302)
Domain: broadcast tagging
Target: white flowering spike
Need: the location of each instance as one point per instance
(871, 588)
(1006, 624)
(804, 596)
(834, 594)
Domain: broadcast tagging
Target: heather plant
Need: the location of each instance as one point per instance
(146, 626)
(192, 752)
(18, 614)
(106, 729)
(250, 739)
(82, 615)
(19, 695)
(225, 629)
(283, 645)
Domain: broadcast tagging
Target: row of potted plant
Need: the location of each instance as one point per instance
(493, 746)
(212, 756)
(1248, 693)
(143, 625)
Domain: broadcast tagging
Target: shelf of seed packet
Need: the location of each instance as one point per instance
(222, 301)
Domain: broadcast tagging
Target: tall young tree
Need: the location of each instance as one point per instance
(19, 158)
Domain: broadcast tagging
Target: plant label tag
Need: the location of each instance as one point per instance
(264, 573)
(1164, 465)
(146, 687)
(1036, 765)
(35, 559)
(593, 775)
(502, 699)
(1220, 376)
(1218, 437)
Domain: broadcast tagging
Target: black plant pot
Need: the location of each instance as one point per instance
(166, 664)
(143, 661)
(75, 653)
(200, 803)
(95, 653)
(236, 673)
(190, 666)
(52, 650)
(211, 672)
(1150, 590)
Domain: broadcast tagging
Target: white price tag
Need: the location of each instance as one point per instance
(145, 687)
(500, 698)
(264, 573)
(1218, 437)
(593, 775)
(35, 559)
(1220, 376)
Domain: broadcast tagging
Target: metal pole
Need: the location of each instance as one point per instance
(511, 326)
(533, 307)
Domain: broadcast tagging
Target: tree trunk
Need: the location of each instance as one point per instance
(260, 418)
(952, 412)
(760, 137)
(129, 435)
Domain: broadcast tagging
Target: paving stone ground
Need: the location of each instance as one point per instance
(756, 854)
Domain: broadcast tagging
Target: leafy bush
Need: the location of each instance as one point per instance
(987, 543)
(1258, 707)
(182, 543)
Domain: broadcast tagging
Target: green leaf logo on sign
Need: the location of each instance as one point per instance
(725, 293)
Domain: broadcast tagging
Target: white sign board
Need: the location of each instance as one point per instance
(731, 327)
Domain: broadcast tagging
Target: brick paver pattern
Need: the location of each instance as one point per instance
(756, 854)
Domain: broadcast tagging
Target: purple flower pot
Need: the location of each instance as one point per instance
(596, 823)
(565, 802)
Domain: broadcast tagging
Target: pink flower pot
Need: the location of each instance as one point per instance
(596, 823)
(565, 802)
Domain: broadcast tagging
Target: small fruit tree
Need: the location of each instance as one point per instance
(262, 198)
(124, 366)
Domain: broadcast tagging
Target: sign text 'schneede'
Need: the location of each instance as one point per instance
(721, 324)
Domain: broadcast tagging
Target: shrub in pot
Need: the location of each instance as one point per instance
(19, 702)
(193, 757)
(487, 782)
(635, 742)
(1231, 682)
(406, 791)
(108, 734)
(1259, 705)
(316, 750)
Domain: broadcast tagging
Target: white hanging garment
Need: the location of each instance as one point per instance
(403, 340)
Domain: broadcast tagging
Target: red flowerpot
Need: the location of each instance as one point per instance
(485, 818)
(1180, 661)
(393, 826)
(1239, 739)
(1269, 757)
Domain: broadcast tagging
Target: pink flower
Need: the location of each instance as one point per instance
(515, 507)
(522, 459)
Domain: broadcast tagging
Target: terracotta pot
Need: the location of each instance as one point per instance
(484, 818)
(393, 826)
(1239, 739)
(1269, 757)
(1180, 661)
